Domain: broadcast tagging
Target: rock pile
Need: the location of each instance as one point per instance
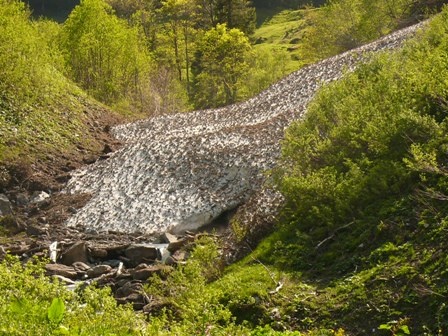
(124, 266)
(179, 172)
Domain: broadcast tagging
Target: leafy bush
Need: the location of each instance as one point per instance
(33, 304)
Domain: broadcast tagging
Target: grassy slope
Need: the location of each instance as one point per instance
(46, 122)
(280, 30)
(357, 285)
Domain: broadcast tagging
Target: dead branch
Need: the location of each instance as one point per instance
(332, 235)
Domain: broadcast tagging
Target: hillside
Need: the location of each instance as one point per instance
(337, 176)
(182, 171)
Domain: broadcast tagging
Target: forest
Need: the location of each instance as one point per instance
(363, 232)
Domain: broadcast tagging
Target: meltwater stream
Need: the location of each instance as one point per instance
(179, 172)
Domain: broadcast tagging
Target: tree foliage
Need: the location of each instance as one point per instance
(340, 25)
(23, 57)
(221, 64)
(104, 54)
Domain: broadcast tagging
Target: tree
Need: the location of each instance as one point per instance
(221, 63)
(345, 24)
(104, 54)
(24, 61)
(237, 14)
(178, 19)
(234, 13)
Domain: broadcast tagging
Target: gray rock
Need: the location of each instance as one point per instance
(22, 199)
(77, 252)
(140, 253)
(36, 230)
(112, 262)
(62, 270)
(98, 253)
(5, 205)
(134, 297)
(176, 245)
(39, 196)
(141, 266)
(128, 288)
(180, 256)
(143, 273)
(80, 266)
(168, 238)
(98, 270)
(170, 261)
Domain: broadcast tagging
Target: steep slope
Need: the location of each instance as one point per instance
(181, 171)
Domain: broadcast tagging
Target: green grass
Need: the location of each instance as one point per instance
(281, 31)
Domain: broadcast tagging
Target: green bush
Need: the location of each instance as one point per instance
(33, 304)
(346, 161)
(365, 182)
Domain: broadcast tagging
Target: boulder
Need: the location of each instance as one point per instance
(112, 263)
(35, 230)
(139, 253)
(155, 306)
(77, 252)
(98, 253)
(5, 205)
(22, 199)
(128, 288)
(173, 242)
(80, 266)
(168, 238)
(134, 297)
(39, 196)
(180, 256)
(98, 270)
(176, 245)
(145, 272)
(62, 270)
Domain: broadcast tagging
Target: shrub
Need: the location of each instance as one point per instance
(33, 304)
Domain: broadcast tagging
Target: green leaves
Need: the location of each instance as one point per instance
(397, 328)
(368, 143)
(56, 311)
(341, 25)
(104, 54)
(221, 63)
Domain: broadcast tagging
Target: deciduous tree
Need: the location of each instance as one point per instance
(103, 53)
(221, 63)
